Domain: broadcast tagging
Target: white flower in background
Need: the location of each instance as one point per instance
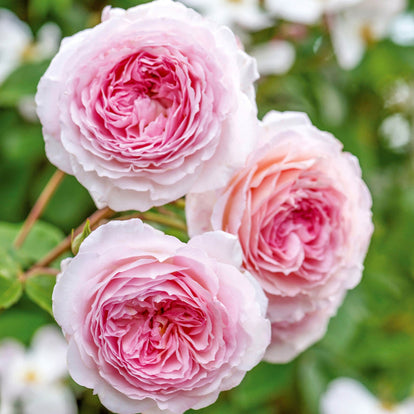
(356, 26)
(348, 396)
(246, 13)
(274, 57)
(402, 30)
(48, 40)
(27, 108)
(401, 96)
(15, 36)
(396, 129)
(305, 11)
(17, 43)
(33, 378)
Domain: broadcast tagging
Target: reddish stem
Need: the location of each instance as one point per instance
(39, 207)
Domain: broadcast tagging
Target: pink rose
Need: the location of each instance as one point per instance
(156, 325)
(153, 102)
(301, 212)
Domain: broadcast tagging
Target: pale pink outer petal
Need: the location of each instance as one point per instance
(292, 308)
(226, 249)
(219, 245)
(231, 153)
(291, 337)
(49, 85)
(198, 208)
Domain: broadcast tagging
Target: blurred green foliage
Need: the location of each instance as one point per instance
(372, 336)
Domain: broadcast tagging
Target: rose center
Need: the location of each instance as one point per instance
(305, 230)
(136, 99)
(149, 331)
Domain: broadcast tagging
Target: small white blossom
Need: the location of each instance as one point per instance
(15, 37)
(48, 40)
(355, 27)
(401, 96)
(348, 396)
(402, 30)
(17, 44)
(34, 378)
(246, 13)
(274, 57)
(305, 11)
(27, 108)
(396, 130)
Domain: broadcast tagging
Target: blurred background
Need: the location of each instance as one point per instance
(350, 66)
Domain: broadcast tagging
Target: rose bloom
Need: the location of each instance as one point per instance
(302, 214)
(156, 325)
(151, 103)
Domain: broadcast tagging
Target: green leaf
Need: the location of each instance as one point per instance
(42, 238)
(10, 285)
(22, 320)
(312, 381)
(39, 289)
(344, 326)
(23, 144)
(39, 8)
(262, 383)
(219, 407)
(61, 6)
(22, 82)
(15, 178)
(10, 291)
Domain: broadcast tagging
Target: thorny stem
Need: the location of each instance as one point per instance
(39, 207)
(65, 244)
